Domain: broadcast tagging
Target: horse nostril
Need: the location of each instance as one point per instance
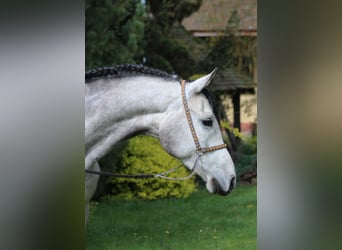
(232, 184)
(217, 189)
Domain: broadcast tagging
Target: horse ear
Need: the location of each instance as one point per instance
(199, 84)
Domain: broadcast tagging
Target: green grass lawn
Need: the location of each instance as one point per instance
(202, 221)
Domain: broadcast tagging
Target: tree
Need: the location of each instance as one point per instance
(162, 50)
(114, 32)
(222, 48)
(232, 50)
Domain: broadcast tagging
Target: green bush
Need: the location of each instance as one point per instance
(249, 145)
(144, 155)
(247, 160)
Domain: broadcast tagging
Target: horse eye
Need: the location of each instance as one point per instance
(207, 122)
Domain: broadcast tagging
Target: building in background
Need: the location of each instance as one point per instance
(237, 85)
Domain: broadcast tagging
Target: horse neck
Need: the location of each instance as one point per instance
(120, 108)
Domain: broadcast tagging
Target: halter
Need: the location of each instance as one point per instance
(199, 151)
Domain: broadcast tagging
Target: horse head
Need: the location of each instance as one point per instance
(215, 167)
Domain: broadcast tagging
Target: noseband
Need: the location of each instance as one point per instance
(199, 150)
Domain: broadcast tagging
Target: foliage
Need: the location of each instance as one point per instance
(223, 47)
(249, 145)
(162, 50)
(195, 77)
(121, 32)
(173, 10)
(235, 131)
(231, 50)
(114, 32)
(202, 221)
(143, 155)
(247, 161)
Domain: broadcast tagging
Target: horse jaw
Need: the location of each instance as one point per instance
(216, 169)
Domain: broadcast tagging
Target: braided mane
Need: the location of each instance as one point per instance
(124, 70)
(127, 70)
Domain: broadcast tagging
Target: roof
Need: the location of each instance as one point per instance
(228, 80)
(213, 15)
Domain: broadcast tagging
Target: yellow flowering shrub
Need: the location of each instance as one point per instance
(144, 155)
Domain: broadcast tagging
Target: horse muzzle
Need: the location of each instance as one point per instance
(217, 188)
